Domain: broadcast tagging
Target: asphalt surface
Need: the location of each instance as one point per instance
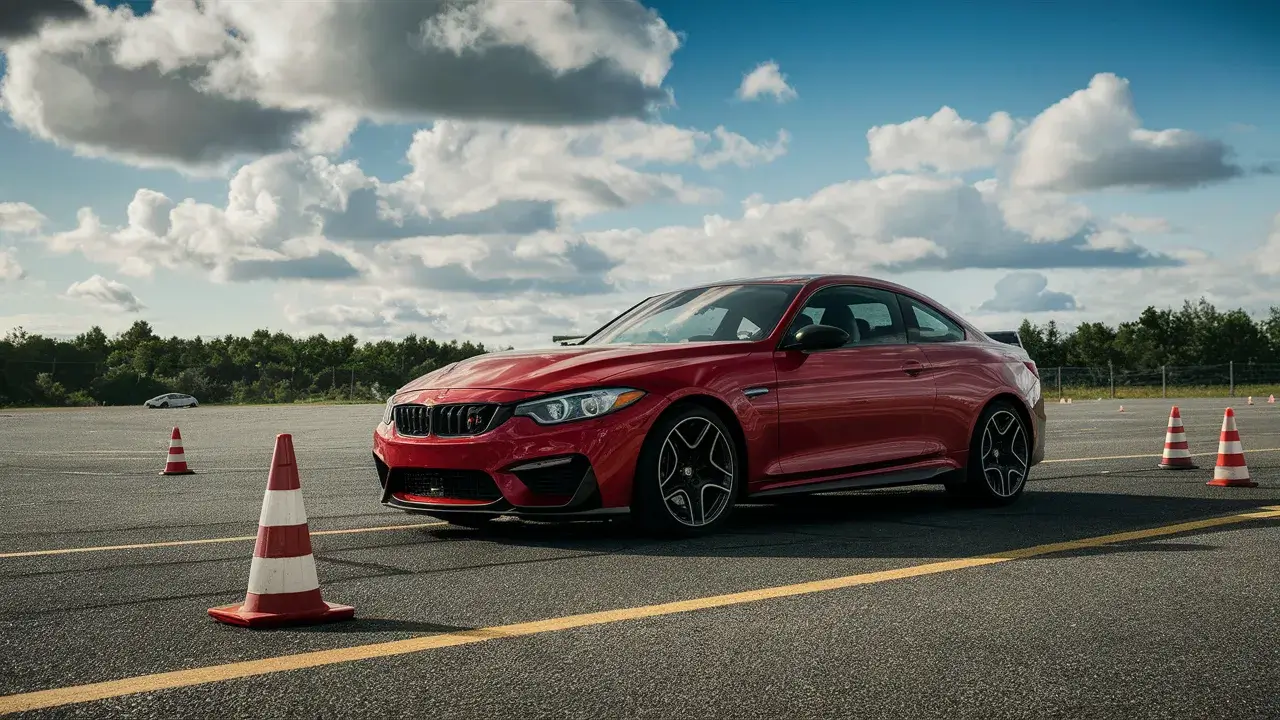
(1174, 625)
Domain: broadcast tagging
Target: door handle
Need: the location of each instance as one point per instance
(912, 368)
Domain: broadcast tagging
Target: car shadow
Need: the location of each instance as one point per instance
(912, 523)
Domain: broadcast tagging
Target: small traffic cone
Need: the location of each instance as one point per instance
(1250, 399)
(1176, 455)
(1271, 400)
(1121, 408)
(283, 587)
(1231, 470)
(177, 461)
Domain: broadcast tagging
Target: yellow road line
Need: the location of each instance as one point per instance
(58, 697)
(208, 541)
(1247, 453)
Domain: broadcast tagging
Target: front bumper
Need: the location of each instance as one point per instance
(519, 467)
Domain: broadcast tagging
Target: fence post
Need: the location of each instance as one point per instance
(352, 394)
(1231, 375)
(1164, 381)
(1059, 381)
(1111, 369)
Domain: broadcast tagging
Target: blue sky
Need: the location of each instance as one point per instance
(853, 66)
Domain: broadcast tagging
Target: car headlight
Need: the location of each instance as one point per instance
(579, 405)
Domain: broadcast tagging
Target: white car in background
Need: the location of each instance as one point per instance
(170, 400)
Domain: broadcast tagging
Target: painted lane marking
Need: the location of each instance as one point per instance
(209, 541)
(1148, 455)
(57, 697)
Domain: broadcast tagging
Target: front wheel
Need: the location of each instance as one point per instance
(999, 456)
(688, 474)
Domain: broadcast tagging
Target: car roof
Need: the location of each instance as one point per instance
(811, 279)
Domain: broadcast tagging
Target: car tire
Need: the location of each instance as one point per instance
(709, 447)
(164, 404)
(999, 456)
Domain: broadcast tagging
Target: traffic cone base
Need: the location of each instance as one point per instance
(176, 463)
(240, 614)
(283, 586)
(1176, 455)
(1231, 470)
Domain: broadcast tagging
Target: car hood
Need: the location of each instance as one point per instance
(561, 368)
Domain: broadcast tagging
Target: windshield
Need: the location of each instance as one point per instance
(722, 313)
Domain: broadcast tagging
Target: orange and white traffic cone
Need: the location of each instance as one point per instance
(1271, 400)
(1250, 399)
(283, 587)
(1177, 456)
(1231, 470)
(176, 464)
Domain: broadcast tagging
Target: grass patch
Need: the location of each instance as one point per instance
(1139, 392)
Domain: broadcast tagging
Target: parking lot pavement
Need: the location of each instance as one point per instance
(894, 603)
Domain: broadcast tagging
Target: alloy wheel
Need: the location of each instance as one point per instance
(696, 472)
(1005, 453)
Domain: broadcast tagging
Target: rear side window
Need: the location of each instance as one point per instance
(927, 325)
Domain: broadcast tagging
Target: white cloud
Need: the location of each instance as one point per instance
(766, 79)
(19, 217)
(582, 170)
(289, 216)
(1268, 256)
(10, 270)
(1142, 225)
(1027, 292)
(106, 293)
(886, 224)
(199, 85)
(944, 142)
(1094, 139)
(273, 215)
(134, 88)
(1042, 216)
(1091, 140)
(527, 320)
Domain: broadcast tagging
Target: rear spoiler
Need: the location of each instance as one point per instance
(1008, 337)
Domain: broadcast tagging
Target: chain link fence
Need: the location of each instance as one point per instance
(1229, 379)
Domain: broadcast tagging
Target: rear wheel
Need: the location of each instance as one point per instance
(999, 456)
(688, 474)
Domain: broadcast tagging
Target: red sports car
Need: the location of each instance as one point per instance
(695, 400)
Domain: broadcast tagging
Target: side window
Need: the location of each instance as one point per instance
(870, 316)
(878, 318)
(926, 325)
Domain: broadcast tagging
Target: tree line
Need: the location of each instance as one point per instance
(137, 364)
(1197, 334)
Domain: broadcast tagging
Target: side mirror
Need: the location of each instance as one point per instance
(817, 337)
